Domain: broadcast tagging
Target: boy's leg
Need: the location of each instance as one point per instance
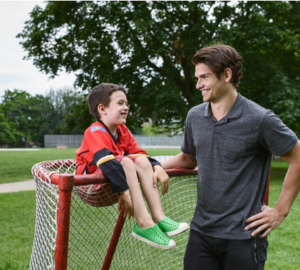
(145, 173)
(168, 226)
(141, 214)
(145, 229)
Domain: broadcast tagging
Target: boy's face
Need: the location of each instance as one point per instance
(116, 112)
(213, 89)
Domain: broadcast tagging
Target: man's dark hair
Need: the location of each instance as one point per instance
(100, 94)
(218, 57)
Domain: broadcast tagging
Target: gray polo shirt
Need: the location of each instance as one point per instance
(233, 157)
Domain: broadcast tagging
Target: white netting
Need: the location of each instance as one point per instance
(47, 194)
(91, 228)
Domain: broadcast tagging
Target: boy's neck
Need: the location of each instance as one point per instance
(111, 129)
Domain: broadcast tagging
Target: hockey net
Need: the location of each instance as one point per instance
(77, 221)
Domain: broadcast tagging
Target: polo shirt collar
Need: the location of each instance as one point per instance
(235, 111)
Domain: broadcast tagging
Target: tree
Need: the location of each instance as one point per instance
(62, 102)
(22, 117)
(147, 46)
(8, 132)
(25, 118)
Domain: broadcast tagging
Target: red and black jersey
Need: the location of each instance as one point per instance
(99, 148)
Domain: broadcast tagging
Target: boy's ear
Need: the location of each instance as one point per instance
(101, 109)
(227, 74)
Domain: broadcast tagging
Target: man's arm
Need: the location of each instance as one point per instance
(270, 218)
(181, 160)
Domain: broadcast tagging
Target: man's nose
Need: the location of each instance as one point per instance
(199, 84)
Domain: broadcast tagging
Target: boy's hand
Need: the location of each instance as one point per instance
(160, 175)
(125, 200)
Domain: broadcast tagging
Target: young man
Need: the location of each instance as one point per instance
(231, 139)
(109, 146)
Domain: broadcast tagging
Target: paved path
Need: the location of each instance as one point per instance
(17, 186)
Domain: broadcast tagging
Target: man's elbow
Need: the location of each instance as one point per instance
(189, 161)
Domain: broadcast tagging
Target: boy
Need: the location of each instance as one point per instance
(230, 139)
(109, 146)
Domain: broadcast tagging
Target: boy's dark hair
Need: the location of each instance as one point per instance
(100, 94)
(218, 57)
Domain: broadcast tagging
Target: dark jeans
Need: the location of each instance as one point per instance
(209, 253)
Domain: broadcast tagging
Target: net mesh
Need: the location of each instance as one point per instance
(91, 227)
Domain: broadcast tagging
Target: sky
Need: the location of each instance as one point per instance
(16, 73)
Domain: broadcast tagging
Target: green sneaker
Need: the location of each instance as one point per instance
(171, 227)
(153, 236)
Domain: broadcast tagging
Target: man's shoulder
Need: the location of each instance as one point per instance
(253, 105)
(198, 109)
(253, 109)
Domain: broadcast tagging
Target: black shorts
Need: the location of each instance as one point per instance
(209, 253)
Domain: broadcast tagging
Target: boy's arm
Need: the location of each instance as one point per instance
(114, 172)
(125, 200)
(270, 218)
(160, 175)
(181, 160)
(112, 169)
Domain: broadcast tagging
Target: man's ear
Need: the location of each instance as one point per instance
(101, 109)
(227, 74)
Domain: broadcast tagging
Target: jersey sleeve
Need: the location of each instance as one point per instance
(101, 156)
(112, 169)
(276, 136)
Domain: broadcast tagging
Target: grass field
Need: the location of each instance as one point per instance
(17, 215)
(16, 165)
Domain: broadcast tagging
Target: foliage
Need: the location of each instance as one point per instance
(25, 118)
(271, 52)
(62, 103)
(78, 117)
(22, 116)
(147, 46)
(8, 131)
(149, 129)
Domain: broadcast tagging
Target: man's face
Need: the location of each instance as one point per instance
(211, 87)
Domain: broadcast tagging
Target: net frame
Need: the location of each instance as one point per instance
(61, 235)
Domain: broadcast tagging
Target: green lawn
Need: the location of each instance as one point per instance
(16, 165)
(17, 221)
(17, 215)
(284, 242)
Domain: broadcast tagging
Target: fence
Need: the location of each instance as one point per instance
(143, 140)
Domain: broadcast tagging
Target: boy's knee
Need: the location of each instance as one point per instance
(127, 164)
(142, 163)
